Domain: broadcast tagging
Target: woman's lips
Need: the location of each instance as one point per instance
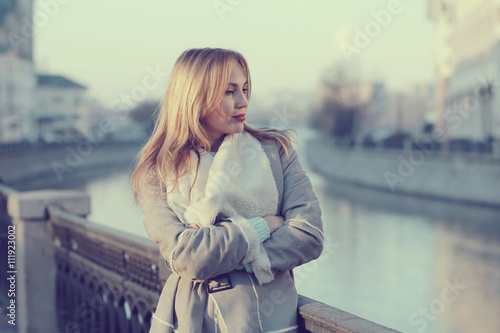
(240, 117)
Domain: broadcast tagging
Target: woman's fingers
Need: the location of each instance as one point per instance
(193, 226)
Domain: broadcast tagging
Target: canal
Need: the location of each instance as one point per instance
(412, 264)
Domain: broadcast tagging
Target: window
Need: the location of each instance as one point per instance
(57, 99)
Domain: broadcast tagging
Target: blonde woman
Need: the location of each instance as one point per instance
(229, 205)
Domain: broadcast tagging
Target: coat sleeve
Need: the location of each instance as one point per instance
(197, 254)
(301, 239)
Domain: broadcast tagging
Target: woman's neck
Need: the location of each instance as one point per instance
(214, 145)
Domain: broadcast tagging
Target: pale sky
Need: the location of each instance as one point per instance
(109, 45)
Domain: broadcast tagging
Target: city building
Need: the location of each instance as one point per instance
(17, 74)
(417, 103)
(34, 107)
(467, 69)
(62, 108)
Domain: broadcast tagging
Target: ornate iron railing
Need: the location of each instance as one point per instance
(116, 278)
(108, 281)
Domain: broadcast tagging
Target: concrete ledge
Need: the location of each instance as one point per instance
(32, 205)
(318, 317)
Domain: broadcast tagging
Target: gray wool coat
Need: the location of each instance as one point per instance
(197, 255)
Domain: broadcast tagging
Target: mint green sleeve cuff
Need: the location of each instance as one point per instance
(260, 226)
(248, 268)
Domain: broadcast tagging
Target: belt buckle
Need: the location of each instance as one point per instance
(219, 283)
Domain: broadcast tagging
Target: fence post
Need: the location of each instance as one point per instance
(35, 265)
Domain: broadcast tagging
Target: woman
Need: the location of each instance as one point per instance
(229, 205)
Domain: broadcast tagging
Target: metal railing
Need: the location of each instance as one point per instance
(103, 273)
(467, 148)
(109, 281)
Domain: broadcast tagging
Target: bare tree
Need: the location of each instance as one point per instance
(341, 105)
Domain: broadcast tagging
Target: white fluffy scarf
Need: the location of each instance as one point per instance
(237, 183)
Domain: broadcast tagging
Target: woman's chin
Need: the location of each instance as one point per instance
(237, 129)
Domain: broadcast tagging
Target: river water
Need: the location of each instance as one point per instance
(412, 264)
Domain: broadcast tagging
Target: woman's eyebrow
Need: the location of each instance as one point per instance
(235, 84)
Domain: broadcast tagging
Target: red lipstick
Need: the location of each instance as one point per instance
(240, 117)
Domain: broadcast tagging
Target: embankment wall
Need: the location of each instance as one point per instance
(424, 172)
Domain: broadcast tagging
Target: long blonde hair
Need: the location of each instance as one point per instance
(196, 87)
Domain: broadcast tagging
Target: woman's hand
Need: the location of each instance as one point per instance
(193, 226)
(274, 222)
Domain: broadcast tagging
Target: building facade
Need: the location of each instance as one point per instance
(62, 108)
(17, 74)
(467, 67)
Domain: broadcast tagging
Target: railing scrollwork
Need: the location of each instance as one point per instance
(107, 281)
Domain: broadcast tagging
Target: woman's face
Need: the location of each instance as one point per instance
(230, 115)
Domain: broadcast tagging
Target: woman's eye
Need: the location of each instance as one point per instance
(229, 92)
(245, 90)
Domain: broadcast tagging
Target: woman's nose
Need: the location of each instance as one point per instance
(242, 101)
